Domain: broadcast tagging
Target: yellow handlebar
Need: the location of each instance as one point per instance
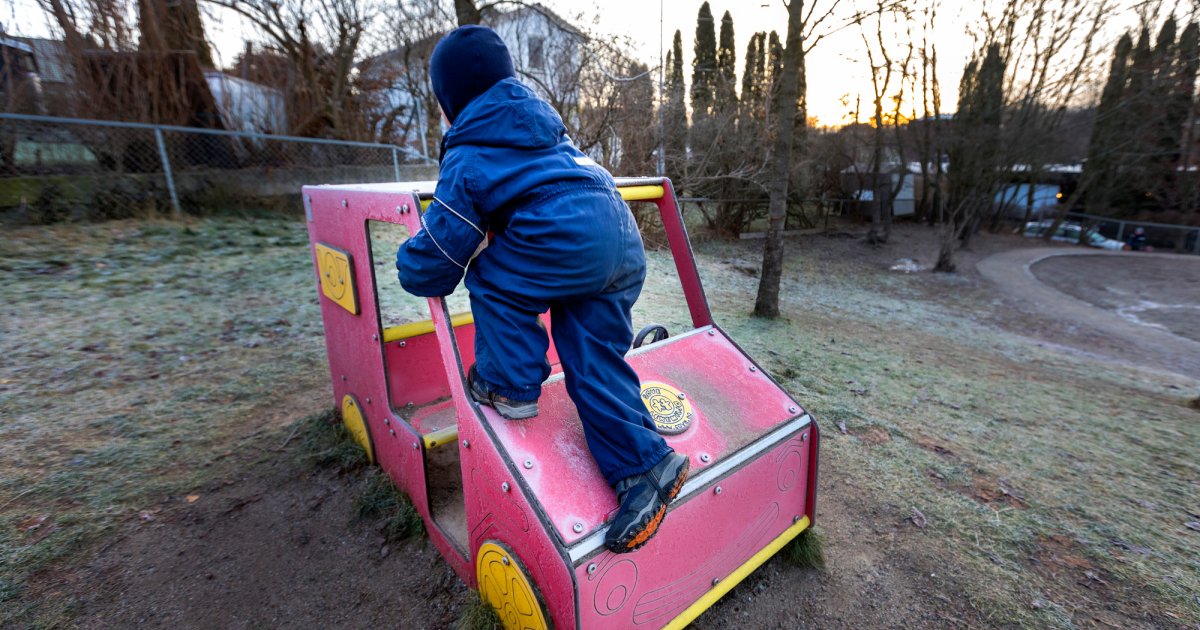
(628, 193)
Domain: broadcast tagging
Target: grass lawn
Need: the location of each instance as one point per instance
(1055, 487)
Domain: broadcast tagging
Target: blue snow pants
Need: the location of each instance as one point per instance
(589, 286)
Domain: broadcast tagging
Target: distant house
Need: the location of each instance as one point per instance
(547, 54)
(34, 75)
(247, 106)
(862, 185)
(1039, 190)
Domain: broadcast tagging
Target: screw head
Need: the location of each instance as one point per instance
(717, 490)
(404, 207)
(368, 400)
(504, 560)
(796, 518)
(392, 431)
(803, 437)
(403, 344)
(715, 580)
(505, 487)
(704, 457)
(793, 409)
(409, 405)
(711, 333)
(345, 203)
(374, 337)
(343, 377)
(577, 527)
(753, 369)
(387, 421)
(591, 568)
(682, 396)
(466, 443)
(528, 463)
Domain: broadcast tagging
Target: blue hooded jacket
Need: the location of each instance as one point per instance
(508, 167)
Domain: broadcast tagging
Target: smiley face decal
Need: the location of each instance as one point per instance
(337, 277)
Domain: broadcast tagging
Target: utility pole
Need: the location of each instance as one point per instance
(662, 101)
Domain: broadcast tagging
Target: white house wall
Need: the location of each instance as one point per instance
(247, 106)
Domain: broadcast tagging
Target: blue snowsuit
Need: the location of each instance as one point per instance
(564, 240)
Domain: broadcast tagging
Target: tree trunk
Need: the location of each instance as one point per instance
(889, 210)
(467, 12)
(945, 261)
(767, 302)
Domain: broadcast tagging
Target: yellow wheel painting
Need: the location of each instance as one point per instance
(504, 585)
(352, 417)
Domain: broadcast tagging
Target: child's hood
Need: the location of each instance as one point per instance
(509, 115)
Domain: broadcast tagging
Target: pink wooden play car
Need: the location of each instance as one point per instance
(518, 508)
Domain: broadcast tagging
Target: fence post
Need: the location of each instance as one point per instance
(395, 164)
(1121, 231)
(176, 212)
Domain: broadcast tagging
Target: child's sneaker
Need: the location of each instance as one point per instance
(643, 503)
(506, 407)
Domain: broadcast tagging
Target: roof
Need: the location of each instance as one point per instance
(491, 16)
(51, 57)
(11, 42)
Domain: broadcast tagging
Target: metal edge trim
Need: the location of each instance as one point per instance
(595, 541)
(727, 584)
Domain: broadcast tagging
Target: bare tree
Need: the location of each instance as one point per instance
(322, 41)
(807, 27)
(802, 36)
(885, 70)
(1032, 60)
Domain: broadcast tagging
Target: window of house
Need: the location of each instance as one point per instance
(537, 53)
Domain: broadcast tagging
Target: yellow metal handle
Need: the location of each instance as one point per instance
(642, 193)
(628, 193)
(416, 329)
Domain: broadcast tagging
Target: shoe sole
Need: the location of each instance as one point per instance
(514, 413)
(651, 528)
(504, 410)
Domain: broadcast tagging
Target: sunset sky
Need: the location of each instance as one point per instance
(837, 68)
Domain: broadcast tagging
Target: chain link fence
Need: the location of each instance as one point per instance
(58, 169)
(1161, 236)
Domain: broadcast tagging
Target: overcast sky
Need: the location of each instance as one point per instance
(837, 71)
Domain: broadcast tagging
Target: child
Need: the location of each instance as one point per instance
(564, 240)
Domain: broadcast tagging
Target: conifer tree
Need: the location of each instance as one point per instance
(1183, 109)
(1163, 130)
(750, 80)
(704, 65)
(725, 92)
(775, 59)
(720, 156)
(975, 153)
(774, 71)
(1107, 136)
(675, 123)
(1139, 103)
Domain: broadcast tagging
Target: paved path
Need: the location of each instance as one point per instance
(1011, 272)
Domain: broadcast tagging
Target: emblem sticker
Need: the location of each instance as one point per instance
(337, 277)
(670, 409)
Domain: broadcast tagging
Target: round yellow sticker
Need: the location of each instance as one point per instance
(668, 407)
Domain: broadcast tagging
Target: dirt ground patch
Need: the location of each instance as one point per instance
(272, 546)
(170, 361)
